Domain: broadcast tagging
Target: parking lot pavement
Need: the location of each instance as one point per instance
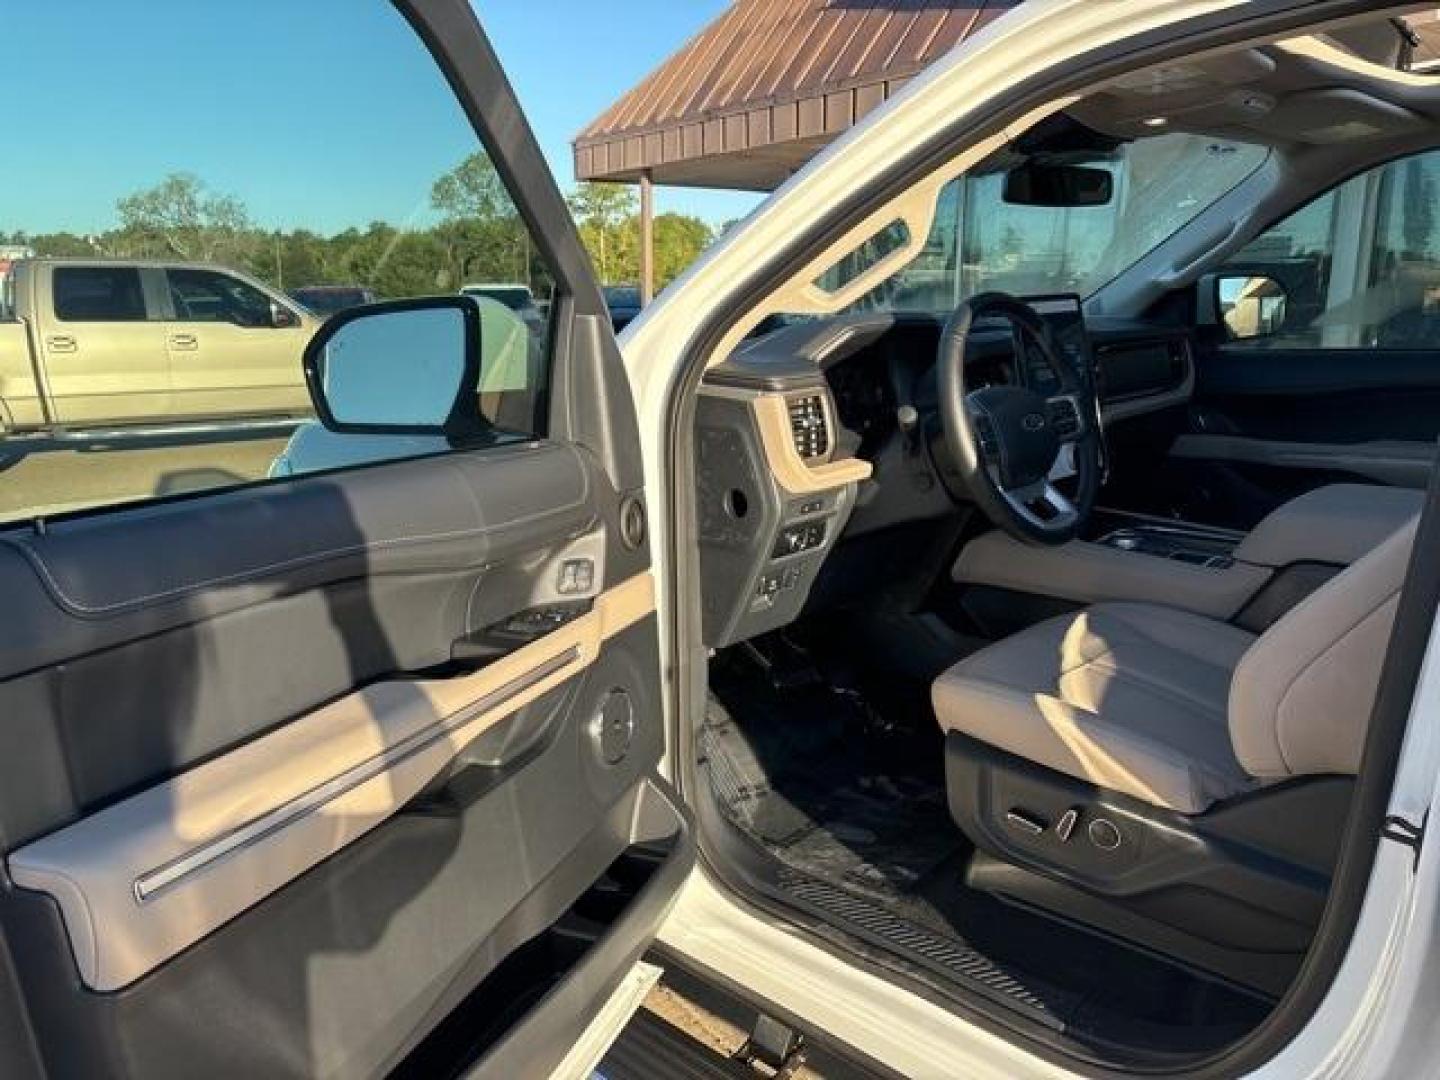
(48, 475)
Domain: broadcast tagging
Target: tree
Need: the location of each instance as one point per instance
(604, 214)
(482, 233)
(472, 190)
(61, 244)
(185, 218)
(679, 241)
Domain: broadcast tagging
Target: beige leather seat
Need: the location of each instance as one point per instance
(1180, 710)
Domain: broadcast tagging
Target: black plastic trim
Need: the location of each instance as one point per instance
(539, 1042)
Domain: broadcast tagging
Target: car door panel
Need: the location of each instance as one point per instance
(101, 369)
(208, 744)
(218, 369)
(1267, 425)
(225, 368)
(297, 776)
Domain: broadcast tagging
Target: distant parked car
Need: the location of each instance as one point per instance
(326, 300)
(624, 304)
(518, 298)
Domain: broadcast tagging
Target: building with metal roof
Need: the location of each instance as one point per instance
(753, 96)
(762, 89)
(756, 94)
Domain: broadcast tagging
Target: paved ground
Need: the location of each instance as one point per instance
(43, 475)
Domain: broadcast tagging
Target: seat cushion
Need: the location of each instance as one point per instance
(1131, 697)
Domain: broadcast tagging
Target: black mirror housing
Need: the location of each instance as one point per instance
(1059, 186)
(399, 367)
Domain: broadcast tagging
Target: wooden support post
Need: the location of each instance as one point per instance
(647, 239)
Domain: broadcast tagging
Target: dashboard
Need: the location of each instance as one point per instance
(819, 433)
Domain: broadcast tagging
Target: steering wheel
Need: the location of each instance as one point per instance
(1005, 440)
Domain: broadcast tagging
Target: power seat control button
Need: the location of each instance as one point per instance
(1023, 822)
(1066, 825)
(1104, 834)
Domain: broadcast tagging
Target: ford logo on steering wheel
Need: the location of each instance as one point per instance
(1032, 422)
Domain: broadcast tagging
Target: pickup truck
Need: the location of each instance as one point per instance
(90, 342)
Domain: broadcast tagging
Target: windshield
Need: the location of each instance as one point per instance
(978, 242)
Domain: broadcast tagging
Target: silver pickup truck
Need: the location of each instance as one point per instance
(87, 342)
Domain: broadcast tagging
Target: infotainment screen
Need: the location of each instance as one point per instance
(1063, 316)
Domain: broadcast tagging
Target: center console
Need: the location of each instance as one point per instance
(1208, 571)
(1196, 545)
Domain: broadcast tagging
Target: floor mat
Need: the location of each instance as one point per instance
(834, 791)
(818, 791)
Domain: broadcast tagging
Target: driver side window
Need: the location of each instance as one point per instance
(1357, 268)
(205, 296)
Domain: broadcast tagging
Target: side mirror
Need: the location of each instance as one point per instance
(403, 367)
(1250, 305)
(281, 317)
(1058, 186)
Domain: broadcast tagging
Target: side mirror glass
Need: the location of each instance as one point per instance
(402, 367)
(1250, 305)
(1058, 186)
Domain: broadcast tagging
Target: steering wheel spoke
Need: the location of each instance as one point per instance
(1043, 505)
(986, 437)
(1067, 417)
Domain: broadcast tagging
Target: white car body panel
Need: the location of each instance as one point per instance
(1377, 1018)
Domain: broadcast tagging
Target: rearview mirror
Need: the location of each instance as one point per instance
(1250, 305)
(404, 367)
(1058, 186)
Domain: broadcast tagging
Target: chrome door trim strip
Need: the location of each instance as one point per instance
(155, 882)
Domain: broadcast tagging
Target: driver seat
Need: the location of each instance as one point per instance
(1169, 779)
(1181, 711)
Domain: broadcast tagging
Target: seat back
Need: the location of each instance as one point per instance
(1302, 694)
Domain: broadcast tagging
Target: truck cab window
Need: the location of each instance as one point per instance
(98, 294)
(205, 296)
(1357, 268)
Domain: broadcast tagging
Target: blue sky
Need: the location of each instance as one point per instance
(565, 79)
(319, 113)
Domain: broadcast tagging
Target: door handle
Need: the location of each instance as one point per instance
(60, 343)
(184, 341)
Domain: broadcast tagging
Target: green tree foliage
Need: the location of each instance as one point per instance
(481, 231)
(478, 236)
(608, 218)
(679, 241)
(605, 215)
(181, 218)
(472, 190)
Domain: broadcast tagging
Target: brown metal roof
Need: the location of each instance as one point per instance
(761, 89)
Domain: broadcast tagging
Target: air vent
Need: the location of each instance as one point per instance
(809, 425)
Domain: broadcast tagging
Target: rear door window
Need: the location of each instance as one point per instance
(98, 294)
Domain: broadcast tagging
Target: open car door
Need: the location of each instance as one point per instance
(349, 771)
